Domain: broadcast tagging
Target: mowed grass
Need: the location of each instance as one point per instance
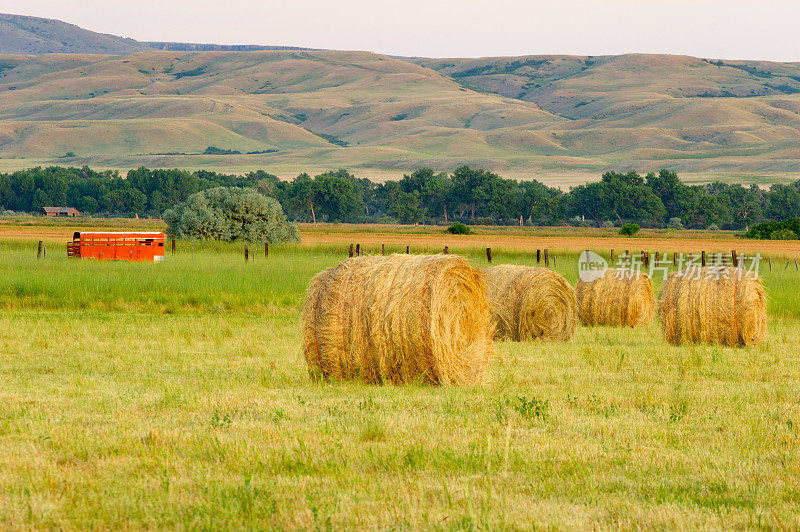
(175, 395)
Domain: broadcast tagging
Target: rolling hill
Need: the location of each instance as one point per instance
(559, 118)
(20, 34)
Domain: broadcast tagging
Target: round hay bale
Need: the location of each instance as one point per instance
(622, 298)
(714, 305)
(529, 303)
(398, 319)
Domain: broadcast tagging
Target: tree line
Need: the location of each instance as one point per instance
(423, 196)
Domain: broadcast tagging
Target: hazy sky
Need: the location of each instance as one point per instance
(728, 29)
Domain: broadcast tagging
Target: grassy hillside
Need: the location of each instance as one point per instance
(560, 119)
(692, 113)
(20, 34)
(337, 108)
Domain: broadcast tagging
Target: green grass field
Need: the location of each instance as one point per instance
(175, 395)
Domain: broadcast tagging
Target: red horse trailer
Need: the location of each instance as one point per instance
(137, 247)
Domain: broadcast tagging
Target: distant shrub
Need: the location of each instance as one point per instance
(713, 227)
(459, 229)
(199, 71)
(578, 221)
(484, 220)
(771, 230)
(608, 224)
(675, 223)
(783, 234)
(230, 214)
(386, 219)
(629, 229)
(213, 150)
(333, 139)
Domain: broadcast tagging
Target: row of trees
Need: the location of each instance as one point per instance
(654, 200)
(141, 191)
(474, 196)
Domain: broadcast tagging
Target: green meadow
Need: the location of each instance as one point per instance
(175, 395)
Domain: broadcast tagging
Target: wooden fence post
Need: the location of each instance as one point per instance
(173, 245)
(734, 258)
(612, 256)
(674, 259)
(266, 250)
(538, 255)
(351, 251)
(489, 255)
(358, 250)
(246, 253)
(702, 258)
(554, 262)
(546, 257)
(446, 250)
(408, 250)
(39, 251)
(769, 260)
(383, 249)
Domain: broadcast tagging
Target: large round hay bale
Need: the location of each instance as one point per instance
(715, 305)
(622, 298)
(398, 319)
(529, 303)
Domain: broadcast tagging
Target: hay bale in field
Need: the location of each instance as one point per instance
(620, 298)
(529, 303)
(398, 319)
(716, 305)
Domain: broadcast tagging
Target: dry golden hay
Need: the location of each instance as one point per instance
(622, 298)
(715, 305)
(398, 319)
(529, 303)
